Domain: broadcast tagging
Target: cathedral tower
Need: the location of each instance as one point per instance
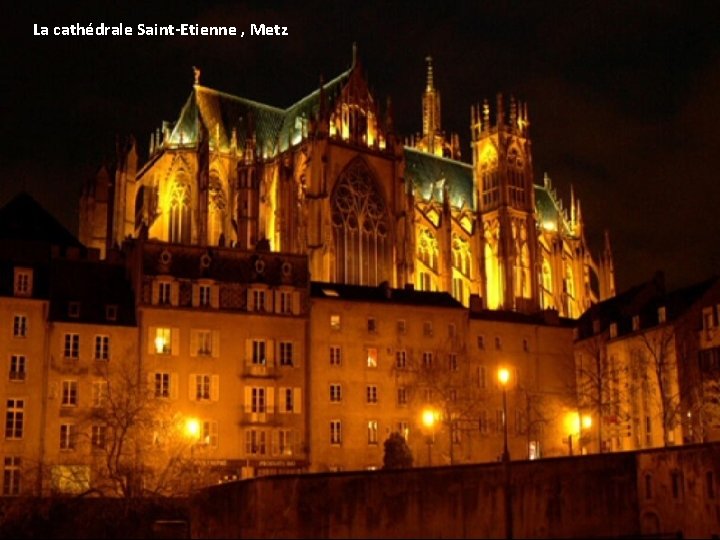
(503, 182)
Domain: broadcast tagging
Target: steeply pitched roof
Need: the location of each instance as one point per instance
(428, 173)
(275, 129)
(25, 220)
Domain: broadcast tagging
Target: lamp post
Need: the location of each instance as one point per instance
(504, 379)
(429, 418)
(192, 431)
(574, 424)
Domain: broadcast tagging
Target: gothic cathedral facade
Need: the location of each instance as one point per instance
(330, 178)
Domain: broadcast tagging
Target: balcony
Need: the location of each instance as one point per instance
(267, 418)
(260, 370)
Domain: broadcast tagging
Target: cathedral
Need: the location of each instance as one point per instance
(330, 178)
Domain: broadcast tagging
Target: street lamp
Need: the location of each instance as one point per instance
(504, 379)
(574, 424)
(192, 432)
(429, 418)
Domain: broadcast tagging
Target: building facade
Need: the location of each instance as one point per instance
(329, 178)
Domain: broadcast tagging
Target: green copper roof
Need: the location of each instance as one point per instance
(548, 207)
(275, 129)
(429, 173)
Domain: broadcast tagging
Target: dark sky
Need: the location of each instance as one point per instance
(624, 97)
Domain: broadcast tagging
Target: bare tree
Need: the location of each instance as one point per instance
(138, 444)
(598, 385)
(656, 358)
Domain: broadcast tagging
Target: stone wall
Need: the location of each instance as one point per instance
(587, 496)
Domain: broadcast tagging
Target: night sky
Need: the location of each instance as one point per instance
(624, 97)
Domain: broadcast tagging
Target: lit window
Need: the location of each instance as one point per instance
(102, 347)
(371, 325)
(452, 362)
(636, 322)
(335, 322)
(372, 357)
(20, 326)
(74, 309)
(69, 393)
(258, 352)
(14, 418)
(662, 314)
(209, 433)
(11, 476)
(67, 437)
(98, 436)
(372, 431)
(401, 326)
(286, 353)
(403, 429)
(72, 346)
(163, 341)
(401, 359)
(17, 367)
(335, 432)
(335, 392)
(23, 282)
(402, 397)
(162, 385)
(335, 358)
(371, 393)
(202, 387)
(613, 330)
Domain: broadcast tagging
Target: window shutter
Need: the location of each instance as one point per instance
(174, 384)
(250, 305)
(215, 296)
(175, 341)
(248, 350)
(295, 303)
(193, 342)
(155, 293)
(268, 301)
(270, 351)
(270, 397)
(248, 399)
(215, 388)
(174, 293)
(281, 400)
(151, 383)
(195, 294)
(277, 294)
(192, 382)
(275, 442)
(297, 400)
(152, 332)
(213, 433)
(216, 343)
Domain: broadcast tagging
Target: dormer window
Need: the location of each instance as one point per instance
(662, 315)
(164, 292)
(74, 309)
(204, 295)
(636, 323)
(111, 313)
(23, 281)
(613, 330)
(596, 326)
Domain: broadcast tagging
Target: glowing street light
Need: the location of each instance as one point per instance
(504, 380)
(192, 428)
(574, 424)
(429, 418)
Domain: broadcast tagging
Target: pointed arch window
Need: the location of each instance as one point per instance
(180, 215)
(360, 227)
(216, 214)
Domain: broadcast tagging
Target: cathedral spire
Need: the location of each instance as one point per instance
(429, 86)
